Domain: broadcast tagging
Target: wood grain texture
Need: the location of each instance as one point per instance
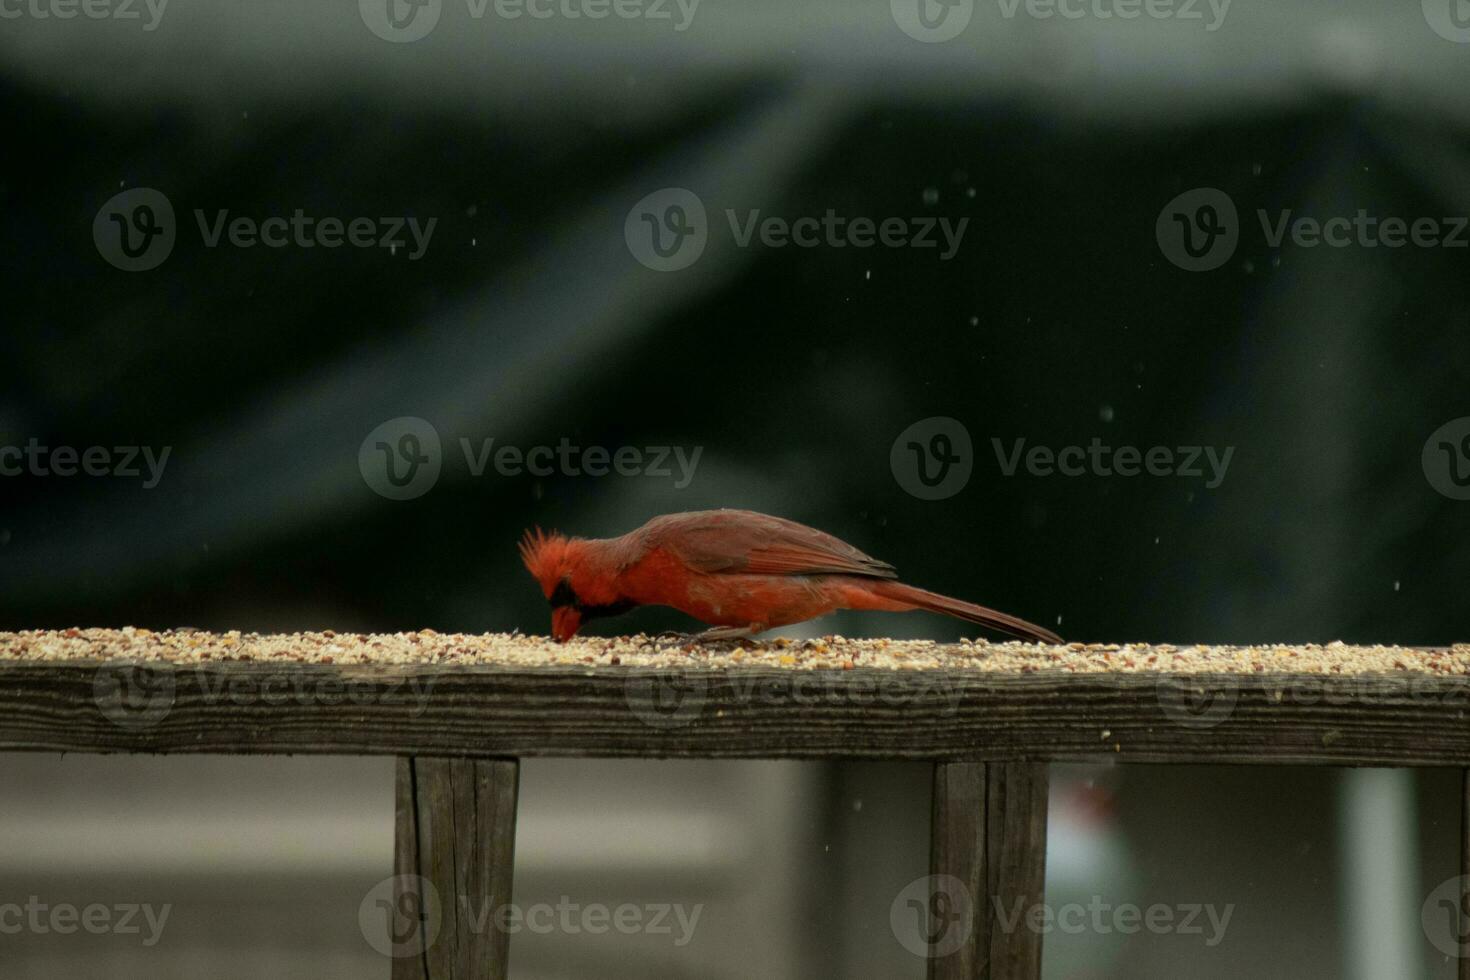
(957, 917)
(455, 839)
(988, 859)
(1463, 970)
(960, 715)
(1015, 867)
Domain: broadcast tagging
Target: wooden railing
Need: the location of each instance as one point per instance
(459, 714)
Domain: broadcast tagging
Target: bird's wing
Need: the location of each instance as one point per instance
(734, 541)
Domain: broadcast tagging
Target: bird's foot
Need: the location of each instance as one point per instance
(715, 634)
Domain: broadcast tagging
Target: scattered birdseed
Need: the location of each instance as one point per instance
(829, 652)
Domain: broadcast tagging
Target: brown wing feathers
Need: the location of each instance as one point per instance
(744, 541)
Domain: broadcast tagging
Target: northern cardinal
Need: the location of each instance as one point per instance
(736, 570)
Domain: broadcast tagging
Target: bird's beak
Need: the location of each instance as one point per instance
(565, 621)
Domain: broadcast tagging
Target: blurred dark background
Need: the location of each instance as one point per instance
(536, 145)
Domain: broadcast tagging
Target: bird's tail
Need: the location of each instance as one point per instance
(907, 596)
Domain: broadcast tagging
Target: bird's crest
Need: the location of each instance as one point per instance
(545, 556)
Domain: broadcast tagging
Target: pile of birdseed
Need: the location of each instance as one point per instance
(830, 652)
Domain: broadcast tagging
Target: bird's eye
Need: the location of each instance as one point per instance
(562, 595)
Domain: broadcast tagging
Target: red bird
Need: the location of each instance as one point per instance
(737, 570)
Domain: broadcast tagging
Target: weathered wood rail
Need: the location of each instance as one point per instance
(863, 713)
(989, 718)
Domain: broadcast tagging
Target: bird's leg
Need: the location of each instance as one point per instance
(730, 632)
(714, 634)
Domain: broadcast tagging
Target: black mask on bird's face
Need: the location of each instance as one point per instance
(568, 611)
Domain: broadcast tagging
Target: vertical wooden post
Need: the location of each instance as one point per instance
(958, 934)
(454, 858)
(988, 856)
(1464, 922)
